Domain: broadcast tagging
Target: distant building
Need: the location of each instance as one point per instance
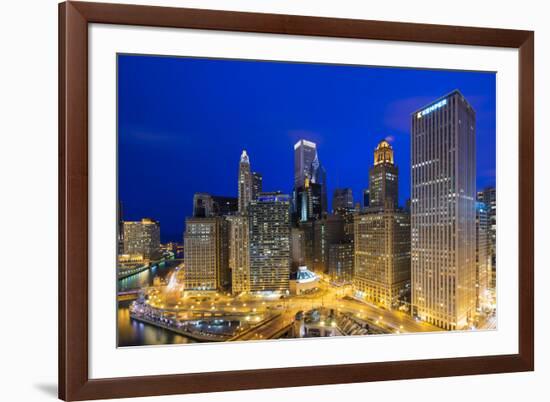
(245, 183)
(239, 254)
(342, 201)
(298, 243)
(257, 184)
(326, 231)
(443, 194)
(206, 253)
(203, 205)
(319, 177)
(269, 236)
(489, 197)
(309, 201)
(120, 229)
(341, 262)
(366, 198)
(383, 191)
(304, 154)
(483, 256)
(142, 237)
(206, 205)
(310, 180)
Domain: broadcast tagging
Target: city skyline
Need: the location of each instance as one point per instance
(172, 160)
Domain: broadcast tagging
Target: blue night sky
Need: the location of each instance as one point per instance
(184, 122)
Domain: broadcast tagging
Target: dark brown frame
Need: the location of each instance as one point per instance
(74, 17)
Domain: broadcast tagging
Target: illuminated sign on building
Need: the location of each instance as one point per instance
(430, 109)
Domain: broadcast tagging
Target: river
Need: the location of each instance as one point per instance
(134, 333)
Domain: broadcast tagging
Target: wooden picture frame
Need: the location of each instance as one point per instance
(74, 381)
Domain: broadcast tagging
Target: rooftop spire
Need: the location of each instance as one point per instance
(244, 157)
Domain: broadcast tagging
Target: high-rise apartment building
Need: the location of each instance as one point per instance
(383, 178)
(206, 253)
(245, 183)
(270, 243)
(142, 237)
(443, 179)
(238, 254)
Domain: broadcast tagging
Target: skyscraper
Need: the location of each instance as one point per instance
(310, 179)
(383, 191)
(304, 154)
(483, 256)
(319, 177)
(142, 237)
(270, 243)
(238, 254)
(489, 197)
(257, 184)
(342, 201)
(366, 198)
(206, 253)
(245, 183)
(381, 238)
(309, 201)
(443, 249)
(326, 231)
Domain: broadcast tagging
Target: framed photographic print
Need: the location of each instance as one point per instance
(260, 200)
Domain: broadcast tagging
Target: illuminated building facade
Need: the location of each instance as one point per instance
(483, 256)
(443, 178)
(239, 264)
(245, 183)
(382, 237)
(489, 197)
(310, 182)
(304, 155)
(382, 256)
(142, 237)
(206, 253)
(270, 243)
(340, 262)
(309, 202)
(383, 191)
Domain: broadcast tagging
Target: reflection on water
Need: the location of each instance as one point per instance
(134, 333)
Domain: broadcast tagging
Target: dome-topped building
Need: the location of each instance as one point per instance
(303, 281)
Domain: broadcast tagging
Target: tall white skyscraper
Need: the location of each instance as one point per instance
(245, 183)
(304, 155)
(443, 217)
